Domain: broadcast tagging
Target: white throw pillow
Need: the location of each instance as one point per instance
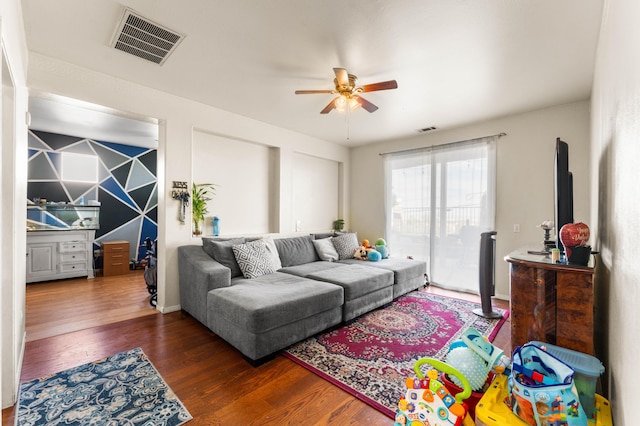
(273, 251)
(325, 249)
(254, 259)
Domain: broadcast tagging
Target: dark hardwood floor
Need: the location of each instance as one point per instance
(215, 383)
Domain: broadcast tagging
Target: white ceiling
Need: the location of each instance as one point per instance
(455, 61)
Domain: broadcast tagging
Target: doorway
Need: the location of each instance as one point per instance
(123, 183)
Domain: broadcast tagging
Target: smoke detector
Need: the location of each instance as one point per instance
(141, 37)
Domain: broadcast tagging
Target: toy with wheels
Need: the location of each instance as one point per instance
(475, 357)
(428, 402)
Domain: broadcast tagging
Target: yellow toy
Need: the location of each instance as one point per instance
(492, 411)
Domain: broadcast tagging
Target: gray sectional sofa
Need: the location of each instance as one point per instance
(292, 293)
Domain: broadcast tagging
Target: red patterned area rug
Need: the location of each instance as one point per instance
(371, 357)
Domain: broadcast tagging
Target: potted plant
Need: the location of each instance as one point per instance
(200, 195)
(338, 225)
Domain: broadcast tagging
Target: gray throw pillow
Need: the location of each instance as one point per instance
(254, 259)
(296, 250)
(221, 251)
(325, 249)
(346, 245)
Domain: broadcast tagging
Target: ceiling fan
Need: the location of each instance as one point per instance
(348, 93)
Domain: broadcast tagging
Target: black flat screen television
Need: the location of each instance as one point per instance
(563, 189)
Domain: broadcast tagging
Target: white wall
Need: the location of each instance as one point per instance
(316, 189)
(179, 119)
(13, 131)
(615, 205)
(243, 173)
(525, 159)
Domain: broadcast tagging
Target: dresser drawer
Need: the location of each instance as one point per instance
(115, 257)
(72, 246)
(73, 257)
(72, 267)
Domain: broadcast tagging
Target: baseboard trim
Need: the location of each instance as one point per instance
(168, 309)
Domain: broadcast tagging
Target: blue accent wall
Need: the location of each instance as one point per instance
(127, 186)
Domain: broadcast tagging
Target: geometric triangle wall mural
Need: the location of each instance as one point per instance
(125, 186)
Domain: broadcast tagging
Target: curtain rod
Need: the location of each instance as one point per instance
(499, 135)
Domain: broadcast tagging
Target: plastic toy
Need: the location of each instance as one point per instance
(492, 411)
(475, 357)
(428, 402)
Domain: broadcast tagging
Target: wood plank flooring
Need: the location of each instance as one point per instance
(211, 378)
(58, 307)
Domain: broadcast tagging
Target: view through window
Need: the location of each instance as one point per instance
(438, 202)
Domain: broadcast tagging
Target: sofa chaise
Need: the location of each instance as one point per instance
(262, 295)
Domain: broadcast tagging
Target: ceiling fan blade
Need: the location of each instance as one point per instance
(365, 104)
(342, 76)
(384, 85)
(311, 92)
(329, 107)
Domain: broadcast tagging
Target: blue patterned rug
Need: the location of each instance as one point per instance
(124, 389)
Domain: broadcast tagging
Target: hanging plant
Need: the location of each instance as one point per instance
(201, 194)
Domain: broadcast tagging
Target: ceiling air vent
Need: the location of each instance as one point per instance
(140, 37)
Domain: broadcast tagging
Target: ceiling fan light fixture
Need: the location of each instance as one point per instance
(348, 98)
(346, 102)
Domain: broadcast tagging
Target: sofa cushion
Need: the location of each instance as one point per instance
(357, 280)
(403, 269)
(325, 249)
(221, 250)
(308, 268)
(346, 245)
(273, 300)
(254, 259)
(296, 250)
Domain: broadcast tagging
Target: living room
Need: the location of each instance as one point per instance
(601, 129)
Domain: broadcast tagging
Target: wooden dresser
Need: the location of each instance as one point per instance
(552, 303)
(115, 257)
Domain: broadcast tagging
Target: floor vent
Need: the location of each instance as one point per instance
(140, 37)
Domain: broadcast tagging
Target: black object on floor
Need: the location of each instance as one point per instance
(487, 274)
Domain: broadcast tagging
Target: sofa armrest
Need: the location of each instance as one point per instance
(198, 274)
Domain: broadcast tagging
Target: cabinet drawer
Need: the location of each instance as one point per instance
(115, 257)
(73, 257)
(72, 246)
(71, 267)
(115, 247)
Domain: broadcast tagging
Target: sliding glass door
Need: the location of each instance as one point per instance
(438, 202)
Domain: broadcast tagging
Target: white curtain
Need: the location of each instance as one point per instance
(438, 201)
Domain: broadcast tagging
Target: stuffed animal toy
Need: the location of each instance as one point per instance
(367, 246)
(360, 253)
(381, 247)
(373, 256)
